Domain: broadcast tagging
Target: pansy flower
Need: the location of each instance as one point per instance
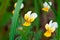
(29, 17)
(46, 6)
(50, 28)
(22, 6)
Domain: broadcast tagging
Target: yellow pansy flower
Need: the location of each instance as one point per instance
(46, 6)
(50, 28)
(29, 18)
(22, 6)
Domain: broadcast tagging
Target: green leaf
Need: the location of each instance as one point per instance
(58, 20)
(36, 8)
(15, 20)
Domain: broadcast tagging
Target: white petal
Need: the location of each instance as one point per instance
(27, 15)
(50, 3)
(55, 24)
(50, 23)
(22, 5)
(34, 15)
(29, 12)
(45, 4)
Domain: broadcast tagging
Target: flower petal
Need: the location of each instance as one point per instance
(13, 11)
(47, 34)
(50, 3)
(50, 23)
(45, 4)
(52, 29)
(45, 9)
(27, 24)
(47, 27)
(22, 5)
(55, 24)
(15, 5)
(27, 15)
(33, 17)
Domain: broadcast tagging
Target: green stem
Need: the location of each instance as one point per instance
(15, 20)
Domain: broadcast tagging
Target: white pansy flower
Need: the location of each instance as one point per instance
(46, 6)
(29, 17)
(50, 28)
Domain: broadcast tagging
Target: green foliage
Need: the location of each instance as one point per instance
(4, 13)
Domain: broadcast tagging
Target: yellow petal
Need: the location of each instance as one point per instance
(47, 34)
(45, 9)
(27, 24)
(15, 5)
(47, 27)
(13, 11)
(32, 19)
(26, 17)
(52, 29)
